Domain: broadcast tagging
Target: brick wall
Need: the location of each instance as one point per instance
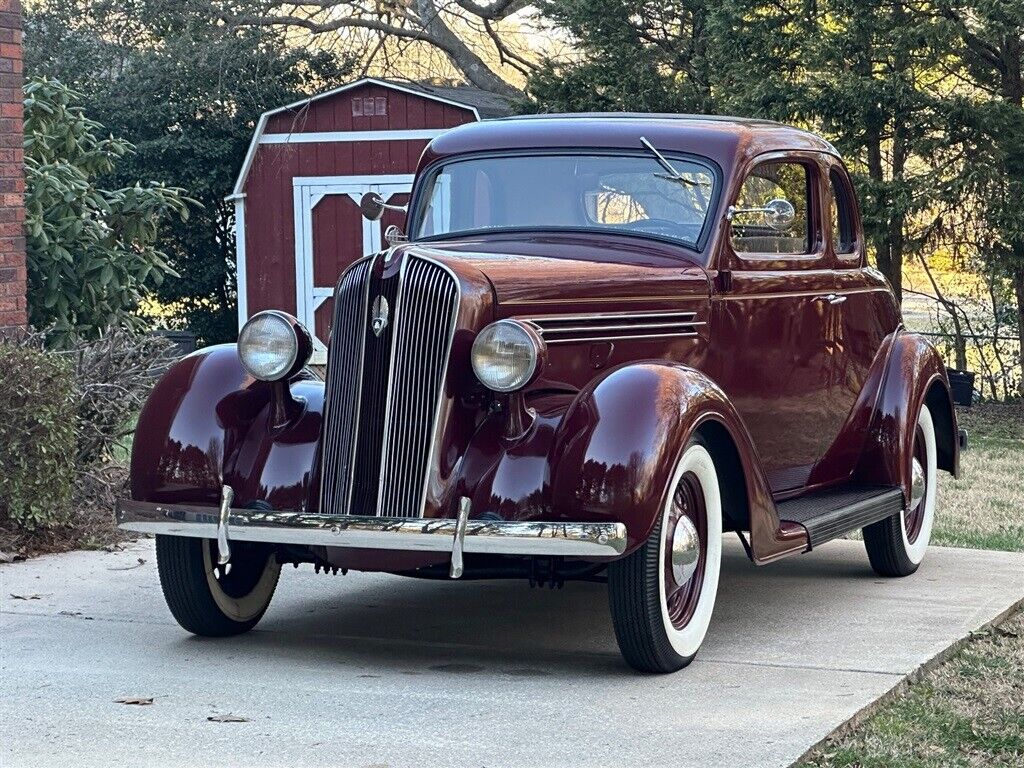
(12, 172)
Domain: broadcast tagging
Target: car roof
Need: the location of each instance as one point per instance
(721, 138)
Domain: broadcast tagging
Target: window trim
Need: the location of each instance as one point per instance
(854, 258)
(417, 202)
(785, 261)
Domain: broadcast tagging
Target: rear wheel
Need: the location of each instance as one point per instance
(216, 600)
(662, 595)
(896, 545)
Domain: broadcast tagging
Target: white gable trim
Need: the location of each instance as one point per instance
(312, 137)
(242, 288)
(262, 122)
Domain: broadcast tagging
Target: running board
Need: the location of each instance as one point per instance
(834, 512)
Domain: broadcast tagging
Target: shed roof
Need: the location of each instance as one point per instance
(487, 105)
(482, 104)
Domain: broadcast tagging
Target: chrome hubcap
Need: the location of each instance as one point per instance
(685, 550)
(917, 485)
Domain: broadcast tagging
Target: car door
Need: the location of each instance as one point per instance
(865, 313)
(773, 323)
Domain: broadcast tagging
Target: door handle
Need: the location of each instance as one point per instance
(831, 298)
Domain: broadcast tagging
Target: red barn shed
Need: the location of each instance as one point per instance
(297, 221)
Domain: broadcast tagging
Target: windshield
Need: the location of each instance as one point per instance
(632, 194)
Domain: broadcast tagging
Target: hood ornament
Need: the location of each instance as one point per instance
(379, 315)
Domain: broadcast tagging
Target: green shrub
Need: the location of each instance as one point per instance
(92, 253)
(37, 436)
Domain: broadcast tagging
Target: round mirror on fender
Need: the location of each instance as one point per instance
(779, 214)
(372, 206)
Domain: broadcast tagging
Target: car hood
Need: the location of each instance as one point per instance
(551, 274)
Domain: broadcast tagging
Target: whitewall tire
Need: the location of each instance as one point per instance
(897, 545)
(662, 595)
(216, 600)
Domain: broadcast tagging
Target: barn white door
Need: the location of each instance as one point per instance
(330, 234)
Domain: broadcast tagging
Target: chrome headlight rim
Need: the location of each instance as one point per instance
(535, 347)
(300, 340)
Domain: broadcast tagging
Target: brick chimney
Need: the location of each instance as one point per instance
(13, 312)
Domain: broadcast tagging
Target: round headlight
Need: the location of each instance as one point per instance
(505, 355)
(268, 345)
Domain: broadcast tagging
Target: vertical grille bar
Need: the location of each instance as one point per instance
(428, 308)
(343, 387)
(385, 394)
(378, 352)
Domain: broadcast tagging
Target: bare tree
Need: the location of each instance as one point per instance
(438, 24)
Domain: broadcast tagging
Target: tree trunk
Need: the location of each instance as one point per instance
(1012, 88)
(1018, 289)
(889, 263)
(459, 53)
(895, 261)
(898, 219)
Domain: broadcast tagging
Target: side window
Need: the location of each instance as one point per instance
(841, 213)
(771, 214)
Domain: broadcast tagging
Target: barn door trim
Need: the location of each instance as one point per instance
(307, 191)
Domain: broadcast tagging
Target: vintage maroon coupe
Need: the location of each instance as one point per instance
(606, 341)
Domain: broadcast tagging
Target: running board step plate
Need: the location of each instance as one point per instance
(829, 514)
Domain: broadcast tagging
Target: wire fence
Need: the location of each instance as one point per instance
(994, 359)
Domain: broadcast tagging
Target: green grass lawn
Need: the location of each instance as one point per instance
(984, 509)
(969, 710)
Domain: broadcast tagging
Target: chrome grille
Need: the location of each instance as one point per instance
(373, 400)
(341, 407)
(427, 306)
(385, 394)
(575, 329)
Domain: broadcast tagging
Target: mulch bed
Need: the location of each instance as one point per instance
(90, 525)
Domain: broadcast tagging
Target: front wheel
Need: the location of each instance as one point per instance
(896, 545)
(662, 595)
(216, 600)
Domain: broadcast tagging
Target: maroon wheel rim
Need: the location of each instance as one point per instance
(681, 599)
(913, 519)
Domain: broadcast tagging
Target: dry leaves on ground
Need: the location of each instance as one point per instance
(227, 719)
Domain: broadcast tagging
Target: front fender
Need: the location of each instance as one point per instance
(915, 374)
(618, 444)
(208, 423)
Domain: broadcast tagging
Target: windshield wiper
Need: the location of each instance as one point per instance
(673, 174)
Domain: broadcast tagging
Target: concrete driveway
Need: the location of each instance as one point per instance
(367, 670)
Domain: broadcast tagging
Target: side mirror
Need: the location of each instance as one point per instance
(372, 206)
(778, 214)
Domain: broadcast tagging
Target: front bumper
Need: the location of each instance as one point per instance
(386, 533)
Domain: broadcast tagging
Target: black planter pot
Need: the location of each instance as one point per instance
(962, 385)
(184, 342)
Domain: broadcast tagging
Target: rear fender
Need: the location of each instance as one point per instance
(619, 442)
(208, 423)
(915, 374)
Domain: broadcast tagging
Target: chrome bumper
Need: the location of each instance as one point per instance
(388, 533)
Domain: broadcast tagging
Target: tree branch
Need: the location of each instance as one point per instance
(506, 55)
(415, 21)
(496, 11)
(981, 48)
